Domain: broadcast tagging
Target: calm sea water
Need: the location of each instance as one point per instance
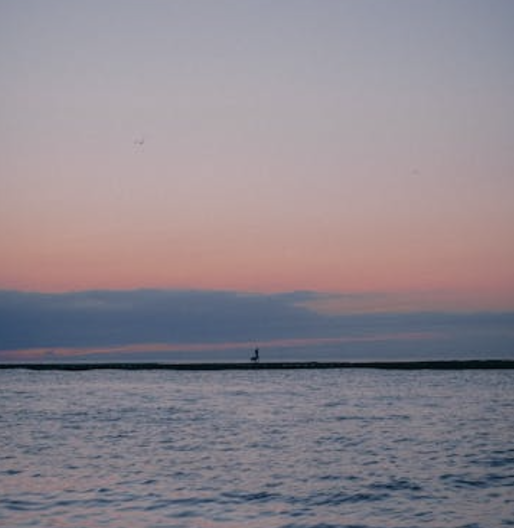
(300, 449)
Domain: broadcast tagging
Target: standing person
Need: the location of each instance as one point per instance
(255, 357)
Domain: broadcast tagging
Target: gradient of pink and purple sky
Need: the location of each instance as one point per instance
(336, 146)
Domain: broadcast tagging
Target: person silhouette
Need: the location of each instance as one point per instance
(255, 357)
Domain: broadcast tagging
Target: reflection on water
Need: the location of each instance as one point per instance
(256, 448)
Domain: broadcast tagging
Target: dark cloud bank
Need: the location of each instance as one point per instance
(93, 319)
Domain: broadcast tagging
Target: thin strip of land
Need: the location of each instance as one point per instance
(474, 364)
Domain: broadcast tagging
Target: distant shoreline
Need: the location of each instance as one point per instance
(474, 364)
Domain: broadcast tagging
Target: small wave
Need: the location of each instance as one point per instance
(389, 417)
(26, 505)
(325, 525)
(337, 499)
(464, 481)
(396, 485)
(241, 497)
(11, 472)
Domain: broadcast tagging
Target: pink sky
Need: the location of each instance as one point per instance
(336, 146)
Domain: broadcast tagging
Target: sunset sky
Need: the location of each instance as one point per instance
(362, 149)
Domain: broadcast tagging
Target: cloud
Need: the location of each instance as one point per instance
(98, 318)
(159, 323)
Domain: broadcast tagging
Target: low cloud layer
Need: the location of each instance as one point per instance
(160, 324)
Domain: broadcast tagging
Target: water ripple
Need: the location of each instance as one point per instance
(257, 449)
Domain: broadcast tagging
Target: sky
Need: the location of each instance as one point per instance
(359, 153)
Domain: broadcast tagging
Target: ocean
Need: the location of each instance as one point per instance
(257, 448)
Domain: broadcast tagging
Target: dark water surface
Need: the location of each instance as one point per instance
(259, 449)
